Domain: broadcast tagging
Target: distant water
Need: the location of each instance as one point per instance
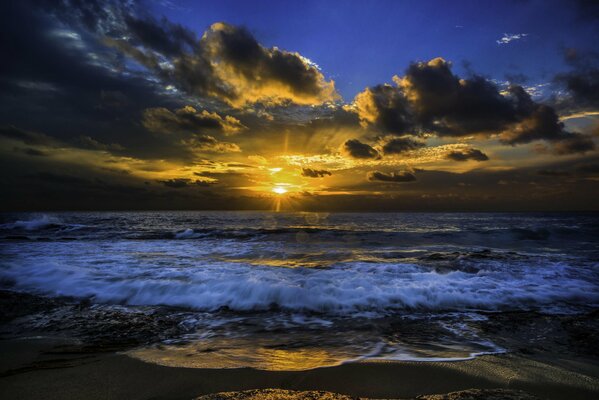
(300, 290)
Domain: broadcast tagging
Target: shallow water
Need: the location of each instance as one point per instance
(301, 290)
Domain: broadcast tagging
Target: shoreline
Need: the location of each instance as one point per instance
(54, 369)
(61, 348)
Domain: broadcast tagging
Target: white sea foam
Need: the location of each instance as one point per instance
(186, 234)
(33, 224)
(347, 288)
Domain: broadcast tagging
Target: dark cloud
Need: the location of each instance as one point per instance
(207, 143)
(356, 149)
(465, 155)
(399, 177)
(31, 152)
(113, 99)
(582, 81)
(26, 137)
(386, 108)
(189, 120)
(59, 178)
(553, 172)
(448, 105)
(227, 63)
(544, 124)
(401, 145)
(589, 168)
(178, 183)
(61, 73)
(573, 143)
(161, 35)
(93, 144)
(431, 98)
(315, 173)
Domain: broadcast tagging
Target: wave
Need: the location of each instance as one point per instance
(504, 231)
(41, 222)
(343, 289)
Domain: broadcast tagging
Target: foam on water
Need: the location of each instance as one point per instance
(33, 224)
(297, 291)
(344, 288)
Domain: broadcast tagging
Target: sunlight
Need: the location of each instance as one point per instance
(279, 190)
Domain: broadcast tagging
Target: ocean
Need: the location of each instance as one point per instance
(294, 291)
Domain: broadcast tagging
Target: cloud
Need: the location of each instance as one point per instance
(543, 124)
(31, 152)
(401, 145)
(90, 143)
(582, 81)
(27, 137)
(589, 168)
(510, 37)
(178, 183)
(188, 120)
(553, 172)
(573, 143)
(384, 107)
(227, 63)
(59, 178)
(206, 143)
(315, 173)
(470, 154)
(253, 73)
(161, 35)
(430, 98)
(399, 177)
(356, 149)
(448, 105)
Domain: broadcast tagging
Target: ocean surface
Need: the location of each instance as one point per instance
(289, 291)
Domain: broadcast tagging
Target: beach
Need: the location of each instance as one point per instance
(60, 364)
(27, 375)
(155, 305)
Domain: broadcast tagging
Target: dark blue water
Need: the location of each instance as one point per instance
(338, 287)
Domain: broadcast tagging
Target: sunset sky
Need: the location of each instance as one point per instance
(310, 105)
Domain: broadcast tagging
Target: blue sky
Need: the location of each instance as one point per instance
(363, 43)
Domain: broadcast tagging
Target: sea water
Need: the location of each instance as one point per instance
(289, 291)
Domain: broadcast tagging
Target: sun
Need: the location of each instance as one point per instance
(279, 190)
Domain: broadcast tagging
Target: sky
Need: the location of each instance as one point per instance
(292, 106)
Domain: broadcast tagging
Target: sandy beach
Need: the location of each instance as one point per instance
(33, 368)
(58, 348)
(161, 317)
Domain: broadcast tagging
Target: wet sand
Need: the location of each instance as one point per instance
(45, 368)
(64, 349)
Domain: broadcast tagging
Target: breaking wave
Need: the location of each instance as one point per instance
(344, 289)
